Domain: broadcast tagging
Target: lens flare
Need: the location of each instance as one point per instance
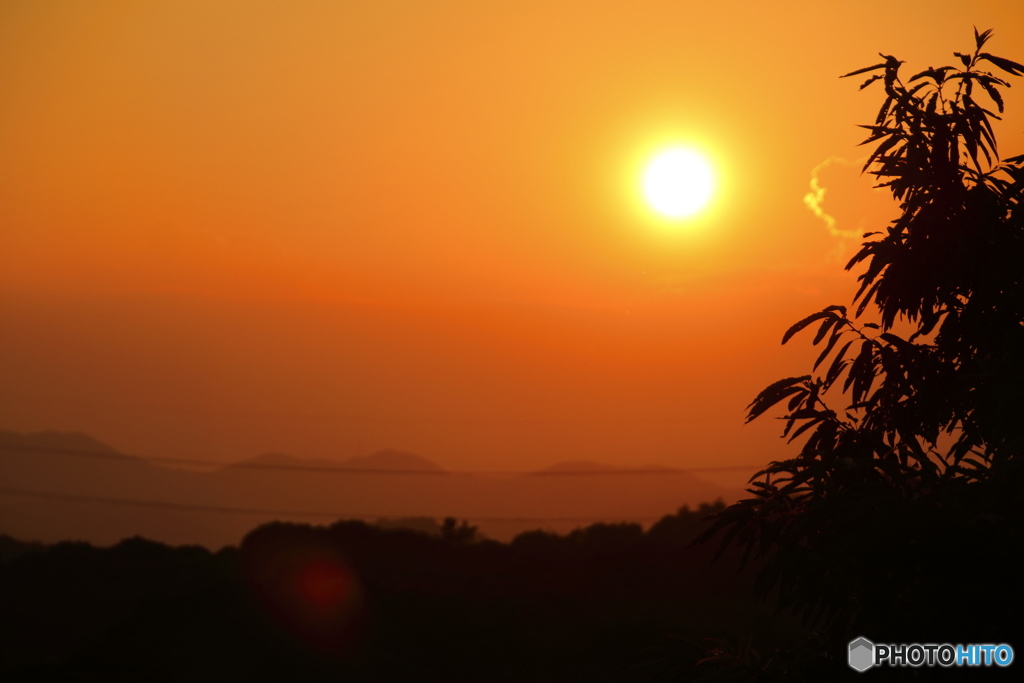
(325, 584)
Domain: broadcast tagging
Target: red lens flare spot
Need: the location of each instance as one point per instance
(325, 584)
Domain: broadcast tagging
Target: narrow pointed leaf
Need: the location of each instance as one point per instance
(1004, 64)
(838, 364)
(870, 81)
(828, 347)
(864, 70)
(993, 92)
(804, 323)
(826, 325)
(774, 393)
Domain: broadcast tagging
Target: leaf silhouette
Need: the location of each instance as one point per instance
(804, 323)
(774, 393)
(865, 70)
(1004, 64)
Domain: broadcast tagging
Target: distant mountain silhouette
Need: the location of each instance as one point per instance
(384, 460)
(388, 484)
(393, 460)
(577, 466)
(277, 459)
(591, 466)
(55, 440)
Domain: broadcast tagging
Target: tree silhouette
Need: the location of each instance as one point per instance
(908, 487)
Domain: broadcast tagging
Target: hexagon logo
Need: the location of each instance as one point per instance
(862, 654)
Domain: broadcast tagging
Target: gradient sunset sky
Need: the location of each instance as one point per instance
(327, 228)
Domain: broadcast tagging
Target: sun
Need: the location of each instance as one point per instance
(678, 182)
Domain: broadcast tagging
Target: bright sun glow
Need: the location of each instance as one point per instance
(678, 183)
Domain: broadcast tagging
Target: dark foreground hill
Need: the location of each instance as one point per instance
(355, 602)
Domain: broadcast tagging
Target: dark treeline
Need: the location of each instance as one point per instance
(352, 601)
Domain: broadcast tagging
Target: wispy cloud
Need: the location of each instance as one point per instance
(851, 209)
(816, 198)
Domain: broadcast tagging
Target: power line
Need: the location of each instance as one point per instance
(223, 509)
(206, 463)
(163, 504)
(108, 455)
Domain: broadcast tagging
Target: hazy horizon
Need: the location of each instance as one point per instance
(327, 229)
(70, 486)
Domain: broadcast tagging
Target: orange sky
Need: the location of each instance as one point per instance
(326, 228)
